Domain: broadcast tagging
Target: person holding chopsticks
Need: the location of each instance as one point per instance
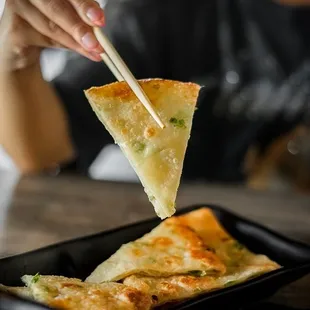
(246, 52)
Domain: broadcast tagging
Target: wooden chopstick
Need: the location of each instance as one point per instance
(111, 66)
(121, 71)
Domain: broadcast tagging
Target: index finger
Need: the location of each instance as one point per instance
(63, 14)
(89, 11)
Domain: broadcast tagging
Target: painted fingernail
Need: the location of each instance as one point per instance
(96, 15)
(101, 22)
(99, 50)
(89, 41)
(95, 56)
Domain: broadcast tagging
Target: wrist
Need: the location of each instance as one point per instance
(24, 78)
(27, 59)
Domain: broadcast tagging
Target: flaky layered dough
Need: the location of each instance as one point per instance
(156, 154)
(65, 293)
(241, 264)
(171, 248)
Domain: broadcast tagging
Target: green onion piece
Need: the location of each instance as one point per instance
(197, 273)
(177, 122)
(139, 147)
(35, 278)
(151, 198)
(230, 283)
(238, 246)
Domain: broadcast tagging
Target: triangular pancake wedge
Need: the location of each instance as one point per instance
(241, 264)
(169, 249)
(156, 154)
(19, 291)
(65, 293)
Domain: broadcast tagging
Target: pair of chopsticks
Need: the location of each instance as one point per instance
(117, 66)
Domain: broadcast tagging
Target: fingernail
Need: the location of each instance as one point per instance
(89, 41)
(95, 56)
(99, 50)
(100, 22)
(95, 15)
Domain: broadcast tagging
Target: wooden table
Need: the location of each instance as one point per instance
(46, 210)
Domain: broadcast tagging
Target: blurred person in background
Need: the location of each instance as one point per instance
(252, 56)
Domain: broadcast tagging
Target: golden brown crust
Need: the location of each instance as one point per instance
(122, 90)
(205, 224)
(171, 248)
(241, 264)
(185, 247)
(180, 287)
(73, 294)
(19, 291)
(156, 154)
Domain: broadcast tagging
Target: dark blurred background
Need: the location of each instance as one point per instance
(252, 59)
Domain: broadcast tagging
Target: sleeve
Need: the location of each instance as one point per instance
(155, 42)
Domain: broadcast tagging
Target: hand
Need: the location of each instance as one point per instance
(27, 26)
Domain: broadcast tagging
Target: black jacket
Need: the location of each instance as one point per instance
(251, 56)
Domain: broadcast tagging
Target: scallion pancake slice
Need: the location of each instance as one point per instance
(73, 294)
(170, 249)
(19, 291)
(241, 264)
(155, 154)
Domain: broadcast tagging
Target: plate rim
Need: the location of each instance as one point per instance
(184, 210)
(303, 268)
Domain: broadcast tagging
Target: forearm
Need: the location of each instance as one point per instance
(33, 125)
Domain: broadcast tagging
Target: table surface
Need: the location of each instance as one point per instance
(46, 210)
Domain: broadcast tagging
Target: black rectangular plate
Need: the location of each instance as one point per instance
(79, 257)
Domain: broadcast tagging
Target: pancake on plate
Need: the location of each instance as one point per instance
(169, 249)
(241, 264)
(65, 293)
(19, 291)
(183, 257)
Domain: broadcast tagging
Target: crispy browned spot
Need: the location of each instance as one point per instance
(172, 260)
(124, 131)
(206, 256)
(122, 90)
(149, 132)
(165, 241)
(71, 285)
(190, 281)
(96, 292)
(60, 303)
(167, 286)
(139, 299)
(137, 252)
(187, 233)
